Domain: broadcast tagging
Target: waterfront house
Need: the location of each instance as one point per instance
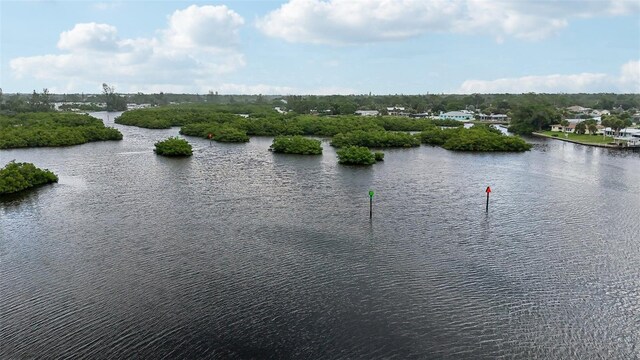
(457, 115)
(571, 128)
(626, 132)
(627, 137)
(493, 117)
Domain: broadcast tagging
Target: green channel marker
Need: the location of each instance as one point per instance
(370, 204)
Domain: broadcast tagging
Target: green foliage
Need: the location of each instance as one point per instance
(616, 122)
(230, 135)
(164, 117)
(296, 145)
(581, 128)
(173, 146)
(533, 115)
(16, 177)
(477, 138)
(40, 102)
(219, 132)
(378, 155)
(355, 155)
(52, 129)
(378, 139)
(114, 101)
(437, 136)
(447, 123)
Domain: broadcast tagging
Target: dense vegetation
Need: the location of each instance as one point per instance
(52, 129)
(476, 138)
(379, 139)
(296, 145)
(358, 155)
(173, 146)
(614, 122)
(215, 131)
(533, 115)
(230, 135)
(36, 102)
(21, 176)
(113, 101)
(224, 123)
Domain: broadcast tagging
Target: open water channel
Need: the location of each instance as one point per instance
(240, 253)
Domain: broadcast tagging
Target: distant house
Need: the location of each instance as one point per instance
(367, 112)
(625, 137)
(599, 113)
(279, 110)
(494, 117)
(571, 128)
(395, 110)
(456, 115)
(579, 110)
(626, 132)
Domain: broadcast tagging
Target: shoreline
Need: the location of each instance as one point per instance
(608, 146)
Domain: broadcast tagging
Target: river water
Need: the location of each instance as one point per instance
(240, 253)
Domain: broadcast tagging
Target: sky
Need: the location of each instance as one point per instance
(322, 47)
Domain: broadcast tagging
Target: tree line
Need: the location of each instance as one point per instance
(348, 104)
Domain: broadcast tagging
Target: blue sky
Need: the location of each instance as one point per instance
(321, 46)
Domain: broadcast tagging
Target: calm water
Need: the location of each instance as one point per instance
(238, 252)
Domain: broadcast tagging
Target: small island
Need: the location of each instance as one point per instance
(479, 138)
(15, 177)
(358, 155)
(216, 132)
(174, 147)
(38, 129)
(296, 145)
(376, 139)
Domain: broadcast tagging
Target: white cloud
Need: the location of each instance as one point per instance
(628, 81)
(203, 26)
(90, 36)
(198, 45)
(630, 77)
(363, 21)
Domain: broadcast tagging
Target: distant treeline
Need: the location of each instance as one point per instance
(348, 104)
(52, 129)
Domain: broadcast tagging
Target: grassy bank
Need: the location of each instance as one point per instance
(581, 139)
